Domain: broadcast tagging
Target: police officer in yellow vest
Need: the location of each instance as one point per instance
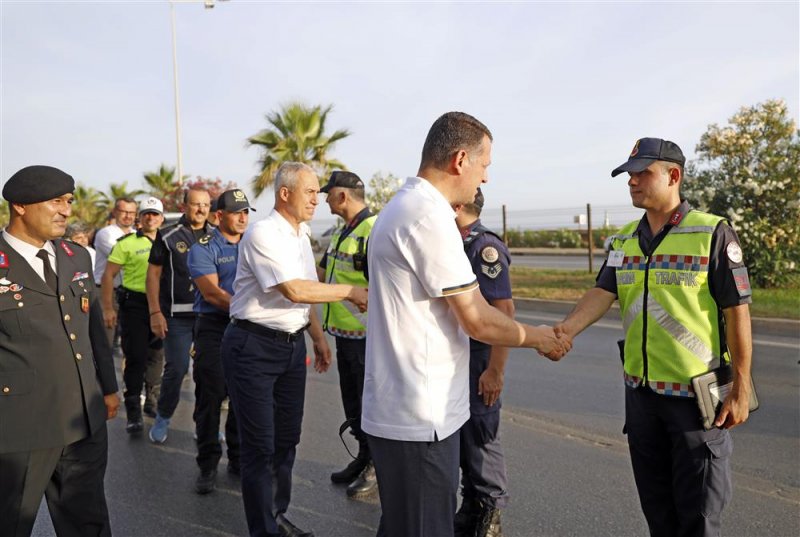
(684, 292)
(344, 262)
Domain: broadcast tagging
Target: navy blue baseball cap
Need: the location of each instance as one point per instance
(647, 151)
(342, 179)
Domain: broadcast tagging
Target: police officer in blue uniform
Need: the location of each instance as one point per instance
(483, 470)
(212, 265)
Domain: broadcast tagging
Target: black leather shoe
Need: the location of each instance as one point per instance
(351, 472)
(206, 481)
(287, 529)
(489, 522)
(365, 484)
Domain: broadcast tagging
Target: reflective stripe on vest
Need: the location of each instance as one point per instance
(343, 319)
(670, 319)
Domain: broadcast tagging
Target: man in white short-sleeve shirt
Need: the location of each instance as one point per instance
(264, 349)
(425, 304)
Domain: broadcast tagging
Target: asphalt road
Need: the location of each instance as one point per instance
(567, 458)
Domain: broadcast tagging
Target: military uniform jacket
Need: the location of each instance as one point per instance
(55, 359)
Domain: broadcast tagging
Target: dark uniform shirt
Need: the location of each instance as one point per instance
(170, 251)
(213, 254)
(727, 278)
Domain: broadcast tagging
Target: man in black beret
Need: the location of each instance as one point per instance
(57, 380)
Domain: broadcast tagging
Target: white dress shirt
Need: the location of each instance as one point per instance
(416, 385)
(28, 252)
(271, 252)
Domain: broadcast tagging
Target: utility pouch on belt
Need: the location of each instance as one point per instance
(712, 388)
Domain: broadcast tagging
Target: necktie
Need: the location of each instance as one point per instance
(49, 275)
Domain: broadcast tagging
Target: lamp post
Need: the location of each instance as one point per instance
(208, 4)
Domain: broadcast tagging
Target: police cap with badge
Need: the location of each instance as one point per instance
(233, 201)
(35, 184)
(342, 179)
(647, 151)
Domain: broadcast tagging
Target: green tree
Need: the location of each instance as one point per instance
(748, 171)
(90, 206)
(4, 213)
(164, 185)
(381, 189)
(295, 133)
(173, 202)
(120, 190)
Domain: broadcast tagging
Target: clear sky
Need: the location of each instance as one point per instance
(566, 88)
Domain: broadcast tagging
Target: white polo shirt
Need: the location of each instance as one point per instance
(104, 241)
(272, 252)
(416, 384)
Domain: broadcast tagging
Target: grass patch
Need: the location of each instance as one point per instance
(552, 284)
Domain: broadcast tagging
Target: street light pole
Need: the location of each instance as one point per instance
(209, 4)
(177, 98)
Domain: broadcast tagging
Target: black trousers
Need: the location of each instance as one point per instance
(137, 339)
(418, 482)
(71, 478)
(209, 392)
(350, 354)
(682, 472)
(267, 382)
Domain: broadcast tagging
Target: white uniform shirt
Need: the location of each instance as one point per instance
(104, 241)
(28, 252)
(416, 385)
(272, 252)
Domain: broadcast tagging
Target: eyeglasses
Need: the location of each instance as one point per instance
(200, 205)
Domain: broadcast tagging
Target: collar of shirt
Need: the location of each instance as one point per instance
(646, 236)
(28, 252)
(466, 230)
(285, 227)
(427, 188)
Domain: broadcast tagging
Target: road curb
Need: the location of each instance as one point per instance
(763, 325)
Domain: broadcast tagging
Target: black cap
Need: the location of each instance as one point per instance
(215, 205)
(233, 201)
(344, 180)
(36, 184)
(649, 150)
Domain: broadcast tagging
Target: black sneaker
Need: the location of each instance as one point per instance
(206, 481)
(135, 425)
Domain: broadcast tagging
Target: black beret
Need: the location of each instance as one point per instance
(35, 184)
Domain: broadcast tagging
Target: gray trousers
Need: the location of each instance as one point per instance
(682, 472)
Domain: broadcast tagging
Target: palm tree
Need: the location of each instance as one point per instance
(164, 186)
(90, 206)
(295, 133)
(121, 190)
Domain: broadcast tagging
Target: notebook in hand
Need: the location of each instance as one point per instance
(712, 388)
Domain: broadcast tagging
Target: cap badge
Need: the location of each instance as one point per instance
(734, 252)
(635, 150)
(238, 195)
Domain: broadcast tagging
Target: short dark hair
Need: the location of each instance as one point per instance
(451, 132)
(124, 199)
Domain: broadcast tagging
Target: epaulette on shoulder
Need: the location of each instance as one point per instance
(126, 236)
(204, 240)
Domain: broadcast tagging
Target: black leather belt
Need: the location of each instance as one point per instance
(218, 317)
(264, 331)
